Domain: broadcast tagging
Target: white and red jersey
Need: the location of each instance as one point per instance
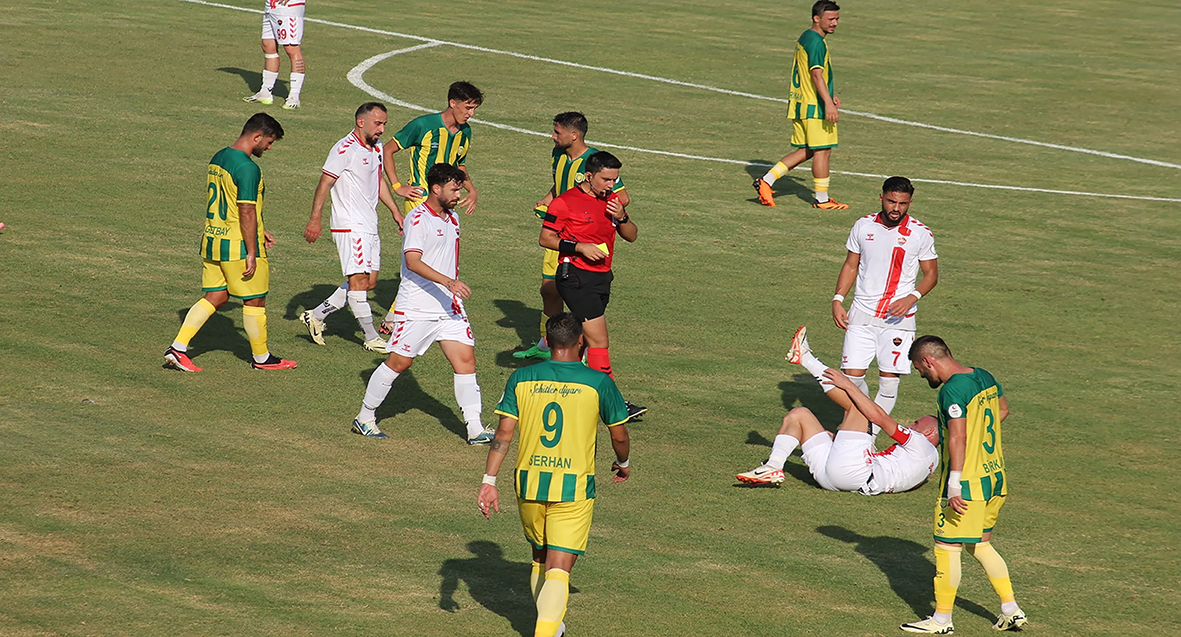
(434, 235)
(889, 267)
(903, 466)
(357, 170)
(280, 7)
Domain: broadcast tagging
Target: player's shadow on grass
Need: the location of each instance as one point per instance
(407, 394)
(341, 322)
(219, 333)
(493, 582)
(786, 185)
(905, 565)
(804, 389)
(253, 80)
(524, 321)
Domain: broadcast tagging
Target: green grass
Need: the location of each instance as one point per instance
(140, 501)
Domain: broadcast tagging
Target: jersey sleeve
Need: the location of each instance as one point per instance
(612, 409)
(852, 245)
(337, 162)
(816, 48)
(618, 185)
(410, 135)
(413, 233)
(954, 399)
(927, 252)
(508, 401)
(467, 145)
(248, 178)
(555, 216)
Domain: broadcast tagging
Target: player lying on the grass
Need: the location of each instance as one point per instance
(849, 461)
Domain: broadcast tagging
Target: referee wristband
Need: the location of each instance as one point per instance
(917, 295)
(840, 298)
(625, 219)
(954, 488)
(566, 245)
(624, 464)
(489, 479)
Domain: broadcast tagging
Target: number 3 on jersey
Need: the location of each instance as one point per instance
(990, 445)
(551, 419)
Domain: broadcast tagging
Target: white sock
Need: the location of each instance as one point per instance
(784, 445)
(379, 387)
(262, 358)
(296, 86)
(543, 345)
(769, 178)
(467, 394)
(1009, 608)
(334, 302)
(860, 382)
(180, 347)
(821, 197)
(887, 392)
(816, 369)
(268, 81)
(942, 618)
(359, 304)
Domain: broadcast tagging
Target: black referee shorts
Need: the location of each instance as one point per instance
(585, 293)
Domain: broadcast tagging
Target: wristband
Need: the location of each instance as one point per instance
(839, 298)
(626, 218)
(396, 186)
(624, 464)
(954, 488)
(489, 479)
(917, 296)
(566, 245)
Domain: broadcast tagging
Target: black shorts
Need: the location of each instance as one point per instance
(585, 293)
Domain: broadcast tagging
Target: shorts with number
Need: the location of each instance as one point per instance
(890, 346)
(970, 526)
(283, 25)
(360, 252)
(227, 275)
(816, 451)
(413, 337)
(549, 264)
(561, 526)
(816, 134)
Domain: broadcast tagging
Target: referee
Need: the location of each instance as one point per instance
(581, 225)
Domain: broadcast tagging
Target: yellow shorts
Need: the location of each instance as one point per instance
(411, 204)
(817, 134)
(561, 526)
(227, 275)
(549, 264)
(968, 527)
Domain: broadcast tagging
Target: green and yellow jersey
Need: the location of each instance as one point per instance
(568, 173)
(811, 53)
(558, 406)
(976, 397)
(431, 143)
(234, 179)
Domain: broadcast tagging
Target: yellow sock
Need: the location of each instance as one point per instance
(544, 318)
(778, 170)
(536, 579)
(254, 319)
(996, 569)
(551, 602)
(821, 186)
(947, 577)
(198, 314)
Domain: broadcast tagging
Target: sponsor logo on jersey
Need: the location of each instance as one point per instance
(869, 237)
(955, 411)
(901, 241)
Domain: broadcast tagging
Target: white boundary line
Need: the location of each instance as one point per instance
(356, 78)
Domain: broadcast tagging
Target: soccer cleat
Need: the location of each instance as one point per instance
(1010, 622)
(177, 359)
(261, 97)
(799, 346)
(482, 438)
(762, 475)
(375, 345)
(315, 326)
(634, 411)
(367, 429)
(766, 195)
(831, 204)
(928, 625)
(533, 352)
(290, 104)
(561, 630)
(274, 362)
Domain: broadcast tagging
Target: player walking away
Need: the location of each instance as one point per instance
(570, 153)
(282, 24)
(813, 106)
(972, 407)
(581, 225)
(849, 461)
(886, 252)
(430, 306)
(558, 404)
(234, 247)
(353, 174)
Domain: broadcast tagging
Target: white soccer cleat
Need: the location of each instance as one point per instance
(261, 97)
(928, 626)
(762, 475)
(375, 345)
(315, 326)
(1011, 621)
(799, 346)
(291, 103)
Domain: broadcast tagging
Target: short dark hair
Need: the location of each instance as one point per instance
(265, 124)
(928, 345)
(572, 120)
(898, 184)
(563, 330)
(367, 107)
(440, 174)
(602, 160)
(823, 5)
(465, 92)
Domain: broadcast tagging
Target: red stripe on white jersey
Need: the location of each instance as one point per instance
(897, 256)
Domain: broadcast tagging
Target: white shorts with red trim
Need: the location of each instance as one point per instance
(816, 451)
(850, 463)
(413, 337)
(283, 24)
(890, 346)
(360, 252)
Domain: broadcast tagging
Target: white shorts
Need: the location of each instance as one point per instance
(411, 338)
(890, 346)
(283, 25)
(360, 252)
(850, 463)
(816, 451)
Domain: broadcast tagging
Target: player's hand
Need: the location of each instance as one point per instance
(832, 112)
(468, 203)
(250, 264)
(268, 239)
(839, 380)
(957, 503)
(902, 306)
(488, 500)
(400, 220)
(615, 209)
(591, 252)
(621, 473)
(312, 231)
(836, 101)
(386, 327)
(839, 315)
(406, 191)
(458, 288)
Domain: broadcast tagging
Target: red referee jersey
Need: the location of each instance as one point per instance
(583, 218)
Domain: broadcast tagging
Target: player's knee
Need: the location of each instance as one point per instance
(399, 363)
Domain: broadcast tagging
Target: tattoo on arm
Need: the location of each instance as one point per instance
(496, 444)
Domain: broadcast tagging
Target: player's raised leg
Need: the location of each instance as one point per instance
(376, 391)
(764, 186)
(314, 318)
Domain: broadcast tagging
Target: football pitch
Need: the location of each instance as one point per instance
(135, 500)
